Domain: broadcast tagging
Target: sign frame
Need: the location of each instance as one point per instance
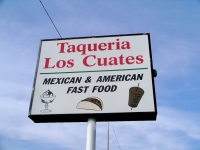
(127, 116)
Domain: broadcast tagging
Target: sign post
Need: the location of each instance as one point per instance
(91, 134)
(107, 136)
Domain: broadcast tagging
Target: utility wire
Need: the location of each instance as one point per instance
(50, 18)
(116, 136)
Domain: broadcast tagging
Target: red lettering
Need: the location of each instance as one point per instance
(47, 63)
(102, 46)
(100, 63)
(110, 45)
(85, 48)
(81, 48)
(71, 49)
(94, 48)
(126, 45)
(130, 60)
(139, 59)
(70, 63)
(85, 60)
(112, 61)
(61, 64)
(62, 47)
(117, 44)
(121, 60)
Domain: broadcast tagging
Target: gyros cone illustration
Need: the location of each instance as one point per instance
(91, 103)
(135, 95)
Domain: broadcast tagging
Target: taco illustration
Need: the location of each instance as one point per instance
(91, 103)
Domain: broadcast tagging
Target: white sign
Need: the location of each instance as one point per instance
(94, 75)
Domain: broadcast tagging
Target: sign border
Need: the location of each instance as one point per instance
(133, 116)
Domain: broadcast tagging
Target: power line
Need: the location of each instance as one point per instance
(116, 136)
(50, 18)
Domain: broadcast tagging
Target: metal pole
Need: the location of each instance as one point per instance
(91, 134)
(108, 136)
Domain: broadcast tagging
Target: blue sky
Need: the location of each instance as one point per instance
(175, 32)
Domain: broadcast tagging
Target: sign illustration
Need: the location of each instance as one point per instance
(91, 103)
(135, 95)
(47, 97)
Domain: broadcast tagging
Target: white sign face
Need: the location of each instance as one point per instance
(94, 75)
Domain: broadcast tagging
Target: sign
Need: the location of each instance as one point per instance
(106, 77)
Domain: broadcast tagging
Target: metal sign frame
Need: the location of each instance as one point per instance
(129, 116)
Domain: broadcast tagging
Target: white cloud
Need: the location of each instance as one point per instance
(172, 130)
(168, 132)
(175, 58)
